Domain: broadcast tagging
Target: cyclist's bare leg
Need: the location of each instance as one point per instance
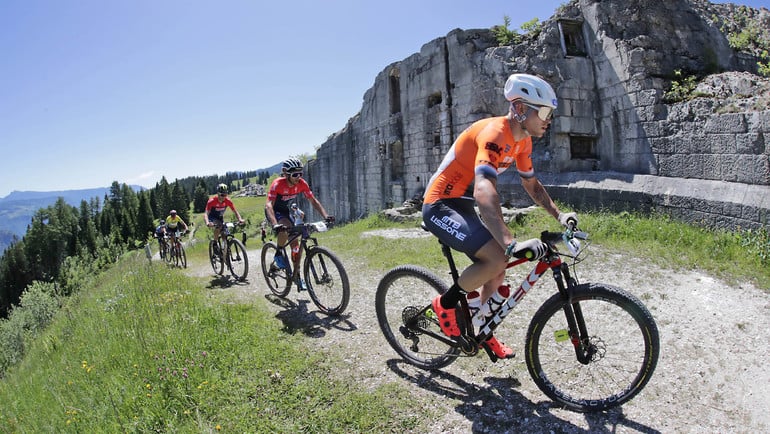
(217, 231)
(491, 286)
(296, 253)
(283, 235)
(488, 271)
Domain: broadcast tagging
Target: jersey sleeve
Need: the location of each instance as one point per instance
(306, 189)
(489, 152)
(523, 158)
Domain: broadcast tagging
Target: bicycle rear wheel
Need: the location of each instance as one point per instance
(622, 342)
(278, 279)
(237, 260)
(327, 281)
(215, 258)
(406, 319)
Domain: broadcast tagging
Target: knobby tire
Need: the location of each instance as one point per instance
(622, 331)
(237, 259)
(402, 294)
(182, 256)
(216, 260)
(278, 280)
(327, 281)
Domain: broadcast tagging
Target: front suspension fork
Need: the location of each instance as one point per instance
(578, 333)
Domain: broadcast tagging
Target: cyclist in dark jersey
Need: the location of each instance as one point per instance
(160, 234)
(282, 193)
(468, 176)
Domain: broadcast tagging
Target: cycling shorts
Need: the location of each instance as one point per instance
(456, 223)
(281, 216)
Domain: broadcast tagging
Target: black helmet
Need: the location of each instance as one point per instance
(222, 188)
(291, 165)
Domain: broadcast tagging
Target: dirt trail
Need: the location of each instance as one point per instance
(712, 375)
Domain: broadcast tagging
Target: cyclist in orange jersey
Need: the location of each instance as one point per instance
(468, 176)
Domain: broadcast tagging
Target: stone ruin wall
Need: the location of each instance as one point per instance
(705, 160)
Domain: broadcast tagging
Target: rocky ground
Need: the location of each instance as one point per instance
(712, 375)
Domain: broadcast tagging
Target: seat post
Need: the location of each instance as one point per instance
(447, 251)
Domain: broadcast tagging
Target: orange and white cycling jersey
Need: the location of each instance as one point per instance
(487, 146)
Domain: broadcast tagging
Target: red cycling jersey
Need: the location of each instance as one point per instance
(487, 146)
(282, 194)
(217, 208)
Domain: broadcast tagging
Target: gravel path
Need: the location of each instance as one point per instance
(712, 374)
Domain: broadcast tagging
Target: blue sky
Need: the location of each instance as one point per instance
(96, 91)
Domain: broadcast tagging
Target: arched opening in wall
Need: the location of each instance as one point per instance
(395, 91)
(396, 161)
(572, 38)
(582, 147)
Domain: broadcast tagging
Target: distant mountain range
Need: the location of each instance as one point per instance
(17, 209)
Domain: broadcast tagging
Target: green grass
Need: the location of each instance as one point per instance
(148, 350)
(664, 242)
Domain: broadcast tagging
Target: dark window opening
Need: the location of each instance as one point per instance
(434, 99)
(582, 148)
(572, 40)
(436, 139)
(395, 92)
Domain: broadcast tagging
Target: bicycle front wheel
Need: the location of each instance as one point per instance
(168, 256)
(278, 279)
(327, 281)
(407, 320)
(182, 256)
(215, 258)
(619, 336)
(237, 260)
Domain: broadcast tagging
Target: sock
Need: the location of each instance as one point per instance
(450, 298)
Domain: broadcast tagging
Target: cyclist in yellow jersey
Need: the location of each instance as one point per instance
(172, 224)
(468, 176)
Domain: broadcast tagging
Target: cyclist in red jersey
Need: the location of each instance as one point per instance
(282, 193)
(468, 176)
(214, 215)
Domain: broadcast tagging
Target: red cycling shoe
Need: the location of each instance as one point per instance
(497, 350)
(447, 318)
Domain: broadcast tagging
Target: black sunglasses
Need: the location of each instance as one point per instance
(296, 175)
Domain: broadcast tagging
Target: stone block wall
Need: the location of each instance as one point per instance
(612, 117)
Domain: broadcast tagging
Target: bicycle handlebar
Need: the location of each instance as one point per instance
(319, 226)
(571, 237)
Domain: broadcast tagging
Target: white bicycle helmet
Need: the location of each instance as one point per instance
(533, 90)
(291, 165)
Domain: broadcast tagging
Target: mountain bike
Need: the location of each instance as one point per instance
(230, 251)
(324, 276)
(589, 347)
(175, 254)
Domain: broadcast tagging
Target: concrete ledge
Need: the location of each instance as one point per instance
(729, 205)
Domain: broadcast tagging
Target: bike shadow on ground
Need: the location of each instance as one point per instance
(223, 282)
(297, 318)
(498, 407)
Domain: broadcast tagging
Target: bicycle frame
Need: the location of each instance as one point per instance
(561, 274)
(302, 232)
